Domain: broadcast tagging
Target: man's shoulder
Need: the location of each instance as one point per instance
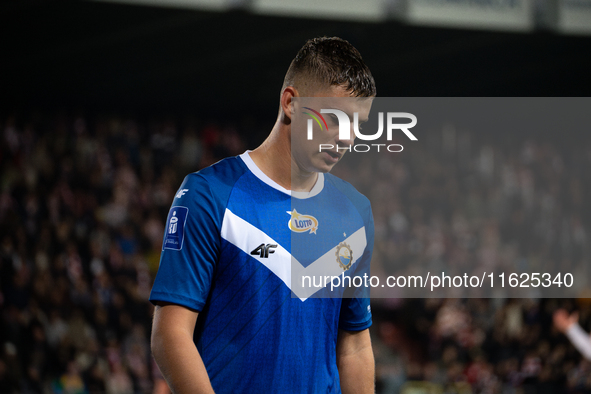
(357, 198)
(222, 174)
(359, 201)
(211, 185)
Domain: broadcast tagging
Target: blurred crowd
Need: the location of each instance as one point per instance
(477, 346)
(82, 207)
(82, 210)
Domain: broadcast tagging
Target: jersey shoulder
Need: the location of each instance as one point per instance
(209, 189)
(360, 202)
(220, 176)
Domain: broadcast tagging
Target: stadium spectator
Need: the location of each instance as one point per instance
(569, 325)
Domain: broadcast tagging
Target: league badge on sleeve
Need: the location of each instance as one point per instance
(175, 228)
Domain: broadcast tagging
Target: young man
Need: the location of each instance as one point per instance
(226, 320)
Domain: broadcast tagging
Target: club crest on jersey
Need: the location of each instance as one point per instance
(300, 223)
(344, 256)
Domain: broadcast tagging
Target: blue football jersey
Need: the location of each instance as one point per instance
(234, 243)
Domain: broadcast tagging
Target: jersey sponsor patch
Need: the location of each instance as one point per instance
(300, 223)
(175, 228)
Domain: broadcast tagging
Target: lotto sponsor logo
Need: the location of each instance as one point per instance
(300, 223)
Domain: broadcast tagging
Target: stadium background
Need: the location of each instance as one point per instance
(105, 107)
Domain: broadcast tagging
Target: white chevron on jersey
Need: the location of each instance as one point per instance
(245, 237)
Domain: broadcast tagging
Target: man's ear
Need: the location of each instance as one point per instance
(287, 104)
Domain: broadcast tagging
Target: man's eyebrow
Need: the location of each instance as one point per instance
(349, 114)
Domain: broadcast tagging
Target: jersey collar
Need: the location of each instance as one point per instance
(318, 186)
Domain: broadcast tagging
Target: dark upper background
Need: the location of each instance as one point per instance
(100, 56)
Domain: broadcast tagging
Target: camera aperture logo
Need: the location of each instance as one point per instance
(315, 117)
(344, 122)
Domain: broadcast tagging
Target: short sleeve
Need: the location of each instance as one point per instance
(190, 246)
(355, 312)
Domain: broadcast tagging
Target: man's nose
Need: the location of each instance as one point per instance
(348, 140)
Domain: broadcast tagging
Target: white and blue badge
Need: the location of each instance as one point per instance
(175, 228)
(344, 256)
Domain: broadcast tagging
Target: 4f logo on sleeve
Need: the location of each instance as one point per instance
(175, 228)
(264, 250)
(181, 193)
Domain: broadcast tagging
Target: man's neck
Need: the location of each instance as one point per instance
(273, 157)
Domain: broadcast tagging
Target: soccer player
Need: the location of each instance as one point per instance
(226, 320)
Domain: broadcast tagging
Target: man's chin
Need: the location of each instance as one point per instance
(325, 162)
(324, 167)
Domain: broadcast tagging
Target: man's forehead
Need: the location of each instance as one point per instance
(349, 105)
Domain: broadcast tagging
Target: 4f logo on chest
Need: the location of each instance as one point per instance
(264, 250)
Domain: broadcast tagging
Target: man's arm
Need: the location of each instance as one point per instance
(569, 325)
(355, 362)
(175, 352)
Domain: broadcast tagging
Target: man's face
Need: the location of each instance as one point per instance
(307, 153)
